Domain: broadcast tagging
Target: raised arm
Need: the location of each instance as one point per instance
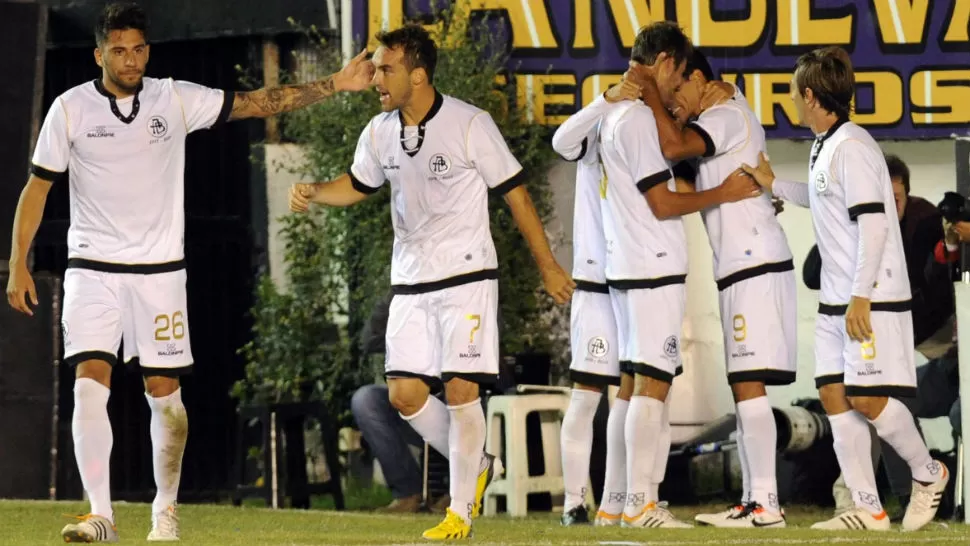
(266, 102)
(572, 137)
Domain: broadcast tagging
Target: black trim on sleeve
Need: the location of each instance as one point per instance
(709, 150)
(228, 101)
(505, 187)
(645, 184)
(686, 170)
(360, 186)
(582, 152)
(866, 208)
(46, 174)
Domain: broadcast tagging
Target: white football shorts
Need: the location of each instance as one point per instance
(883, 366)
(592, 337)
(447, 333)
(759, 319)
(147, 311)
(648, 326)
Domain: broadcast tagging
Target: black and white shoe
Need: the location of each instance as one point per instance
(577, 516)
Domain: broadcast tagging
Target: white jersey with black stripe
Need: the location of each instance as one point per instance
(746, 234)
(640, 248)
(440, 174)
(850, 178)
(125, 160)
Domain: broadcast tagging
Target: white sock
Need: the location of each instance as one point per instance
(614, 483)
(169, 431)
(642, 428)
(760, 444)
(576, 442)
(92, 443)
(466, 440)
(853, 449)
(431, 422)
(663, 453)
(745, 466)
(896, 426)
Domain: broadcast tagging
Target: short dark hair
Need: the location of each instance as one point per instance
(898, 169)
(419, 48)
(698, 61)
(119, 16)
(828, 73)
(660, 37)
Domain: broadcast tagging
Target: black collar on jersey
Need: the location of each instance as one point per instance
(435, 106)
(113, 101)
(820, 141)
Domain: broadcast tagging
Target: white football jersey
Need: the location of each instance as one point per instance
(576, 140)
(440, 174)
(745, 236)
(849, 178)
(126, 161)
(642, 251)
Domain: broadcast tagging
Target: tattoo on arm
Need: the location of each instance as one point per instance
(268, 102)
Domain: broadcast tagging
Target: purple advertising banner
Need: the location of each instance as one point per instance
(912, 57)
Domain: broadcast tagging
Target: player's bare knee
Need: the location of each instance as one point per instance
(651, 387)
(591, 388)
(158, 386)
(408, 395)
(748, 390)
(626, 387)
(460, 391)
(869, 406)
(833, 398)
(97, 370)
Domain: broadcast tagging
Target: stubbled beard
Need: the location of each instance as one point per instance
(122, 85)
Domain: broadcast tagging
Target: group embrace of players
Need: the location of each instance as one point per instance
(640, 168)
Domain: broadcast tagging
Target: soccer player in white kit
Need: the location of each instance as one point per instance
(442, 156)
(122, 139)
(592, 334)
(864, 330)
(646, 260)
(755, 277)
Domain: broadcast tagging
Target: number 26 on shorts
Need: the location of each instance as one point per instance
(169, 327)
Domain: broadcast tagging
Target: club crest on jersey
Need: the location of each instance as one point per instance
(439, 164)
(821, 182)
(598, 347)
(670, 346)
(157, 127)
